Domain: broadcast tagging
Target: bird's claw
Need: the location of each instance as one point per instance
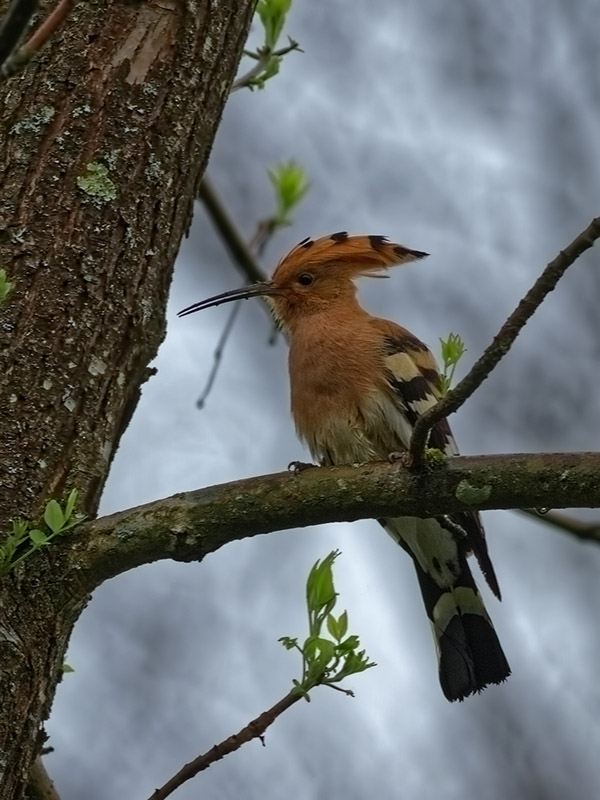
(402, 457)
(300, 466)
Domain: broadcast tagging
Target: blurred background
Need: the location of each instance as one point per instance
(469, 130)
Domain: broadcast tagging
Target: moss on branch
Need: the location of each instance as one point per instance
(187, 526)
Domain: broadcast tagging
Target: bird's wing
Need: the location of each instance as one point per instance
(413, 378)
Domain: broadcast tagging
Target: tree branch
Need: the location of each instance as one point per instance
(39, 38)
(585, 531)
(503, 340)
(253, 730)
(233, 241)
(187, 526)
(13, 27)
(243, 255)
(263, 58)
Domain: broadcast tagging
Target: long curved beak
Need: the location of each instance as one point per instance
(255, 290)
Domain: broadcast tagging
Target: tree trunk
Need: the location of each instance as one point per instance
(104, 140)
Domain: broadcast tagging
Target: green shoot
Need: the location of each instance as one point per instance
(25, 537)
(290, 185)
(453, 349)
(272, 14)
(5, 286)
(326, 660)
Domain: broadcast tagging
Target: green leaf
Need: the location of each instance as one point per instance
(332, 626)
(70, 504)
(351, 643)
(272, 14)
(291, 185)
(38, 537)
(337, 627)
(288, 642)
(19, 529)
(5, 286)
(67, 668)
(53, 516)
(318, 653)
(320, 591)
(354, 663)
(342, 625)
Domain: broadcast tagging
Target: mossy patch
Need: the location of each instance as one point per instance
(97, 185)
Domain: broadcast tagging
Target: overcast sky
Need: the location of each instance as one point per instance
(469, 130)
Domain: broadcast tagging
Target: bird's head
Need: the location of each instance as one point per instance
(316, 274)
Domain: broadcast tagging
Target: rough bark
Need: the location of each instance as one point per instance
(103, 142)
(188, 526)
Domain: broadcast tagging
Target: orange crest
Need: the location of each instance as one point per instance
(347, 256)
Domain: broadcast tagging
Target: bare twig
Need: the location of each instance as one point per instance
(243, 255)
(233, 241)
(264, 231)
(39, 38)
(503, 340)
(14, 24)
(244, 259)
(218, 354)
(254, 730)
(586, 531)
(262, 58)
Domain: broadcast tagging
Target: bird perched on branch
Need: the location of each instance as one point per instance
(358, 384)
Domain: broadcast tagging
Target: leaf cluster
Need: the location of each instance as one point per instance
(27, 537)
(272, 14)
(326, 660)
(453, 349)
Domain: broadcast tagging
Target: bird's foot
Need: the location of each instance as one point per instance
(300, 466)
(402, 457)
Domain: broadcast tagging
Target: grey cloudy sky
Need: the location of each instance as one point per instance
(469, 130)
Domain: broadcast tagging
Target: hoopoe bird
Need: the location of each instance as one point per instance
(358, 384)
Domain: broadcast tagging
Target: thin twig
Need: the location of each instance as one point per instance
(233, 241)
(244, 259)
(586, 531)
(243, 255)
(39, 38)
(264, 232)
(254, 730)
(14, 24)
(503, 340)
(262, 57)
(218, 354)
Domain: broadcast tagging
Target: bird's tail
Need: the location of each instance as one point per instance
(469, 653)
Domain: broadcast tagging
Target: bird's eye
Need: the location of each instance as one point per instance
(305, 279)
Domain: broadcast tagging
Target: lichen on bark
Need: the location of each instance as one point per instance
(86, 311)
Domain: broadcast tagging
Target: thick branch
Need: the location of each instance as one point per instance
(504, 339)
(253, 730)
(187, 526)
